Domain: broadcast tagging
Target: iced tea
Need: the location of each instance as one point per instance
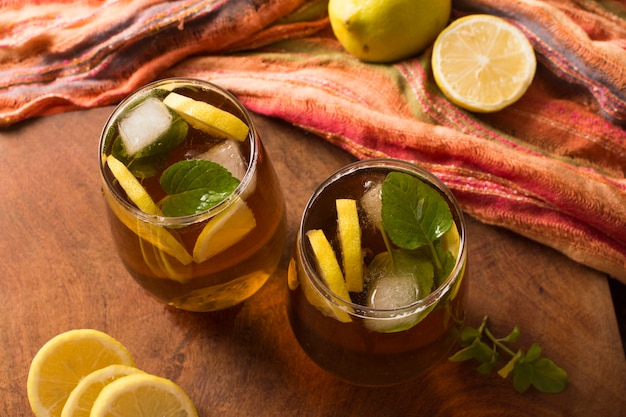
(195, 206)
(405, 308)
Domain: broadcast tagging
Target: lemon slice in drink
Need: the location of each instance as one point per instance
(81, 399)
(131, 185)
(224, 230)
(483, 63)
(349, 232)
(206, 117)
(63, 361)
(158, 236)
(143, 395)
(327, 264)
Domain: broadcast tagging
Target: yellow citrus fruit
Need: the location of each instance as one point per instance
(81, 399)
(327, 264)
(483, 63)
(63, 361)
(132, 187)
(349, 232)
(387, 30)
(158, 236)
(142, 395)
(206, 117)
(224, 230)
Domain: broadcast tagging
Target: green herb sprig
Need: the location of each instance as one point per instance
(528, 368)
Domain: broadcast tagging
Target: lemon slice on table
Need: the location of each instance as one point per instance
(63, 361)
(483, 63)
(224, 230)
(158, 236)
(143, 395)
(206, 117)
(81, 399)
(349, 232)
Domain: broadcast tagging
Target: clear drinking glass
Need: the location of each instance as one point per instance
(408, 315)
(195, 207)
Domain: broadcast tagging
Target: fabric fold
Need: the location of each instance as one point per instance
(550, 167)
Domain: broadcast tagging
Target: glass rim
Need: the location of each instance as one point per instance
(362, 311)
(186, 220)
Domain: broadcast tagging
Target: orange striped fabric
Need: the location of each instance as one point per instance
(551, 166)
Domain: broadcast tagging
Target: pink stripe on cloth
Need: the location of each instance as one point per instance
(551, 167)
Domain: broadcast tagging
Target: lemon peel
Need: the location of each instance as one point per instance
(208, 118)
(482, 63)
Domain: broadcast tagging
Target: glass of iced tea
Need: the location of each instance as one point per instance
(375, 282)
(195, 207)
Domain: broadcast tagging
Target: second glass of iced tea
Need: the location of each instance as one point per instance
(195, 207)
(375, 283)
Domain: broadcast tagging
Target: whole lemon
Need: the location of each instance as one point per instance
(387, 30)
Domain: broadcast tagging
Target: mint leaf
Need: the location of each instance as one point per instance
(414, 214)
(195, 186)
(421, 268)
(528, 368)
(547, 377)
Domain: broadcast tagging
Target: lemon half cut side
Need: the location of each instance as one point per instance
(482, 63)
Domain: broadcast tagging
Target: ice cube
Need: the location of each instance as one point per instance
(391, 292)
(371, 204)
(395, 292)
(144, 125)
(228, 155)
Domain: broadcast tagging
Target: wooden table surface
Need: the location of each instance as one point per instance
(59, 271)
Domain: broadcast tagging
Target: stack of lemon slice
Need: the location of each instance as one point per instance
(86, 372)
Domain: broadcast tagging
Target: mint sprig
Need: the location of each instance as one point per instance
(194, 186)
(415, 217)
(528, 368)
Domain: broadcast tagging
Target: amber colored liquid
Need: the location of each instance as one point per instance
(351, 350)
(230, 276)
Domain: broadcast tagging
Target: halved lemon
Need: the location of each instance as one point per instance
(63, 361)
(206, 117)
(143, 395)
(483, 63)
(81, 399)
(349, 233)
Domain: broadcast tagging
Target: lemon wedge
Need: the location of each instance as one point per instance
(483, 63)
(349, 232)
(63, 361)
(206, 117)
(224, 230)
(143, 395)
(81, 399)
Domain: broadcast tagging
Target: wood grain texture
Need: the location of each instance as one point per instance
(59, 271)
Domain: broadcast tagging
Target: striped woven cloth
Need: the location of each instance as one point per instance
(550, 167)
